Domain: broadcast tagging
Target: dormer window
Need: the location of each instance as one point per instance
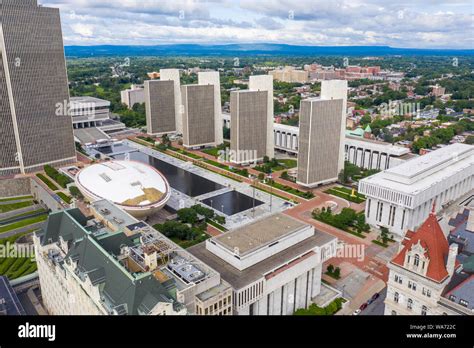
(417, 260)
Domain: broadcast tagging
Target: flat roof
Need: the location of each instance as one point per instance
(260, 233)
(419, 174)
(87, 99)
(239, 279)
(126, 183)
(380, 146)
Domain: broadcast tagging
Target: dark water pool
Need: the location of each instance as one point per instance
(231, 203)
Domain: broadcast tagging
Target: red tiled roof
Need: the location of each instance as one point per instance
(432, 239)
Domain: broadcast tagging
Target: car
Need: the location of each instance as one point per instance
(363, 306)
(376, 296)
(356, 312)
(370, 301)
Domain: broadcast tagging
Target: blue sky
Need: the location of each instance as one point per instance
(414, 23)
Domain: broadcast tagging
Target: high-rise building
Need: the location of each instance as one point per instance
(199, 120)
(134, 95)
(319, 147)
(160, 107)
(213, 78)
(36, 126)
(337, 89)
(174, 75)
(265, 83)
(249, 122)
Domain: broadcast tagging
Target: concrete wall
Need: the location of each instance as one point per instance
(42, 195)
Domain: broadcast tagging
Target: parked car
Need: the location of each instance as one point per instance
(376, 296)
(363, 306)
(356, 312)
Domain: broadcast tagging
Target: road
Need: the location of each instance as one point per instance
(377, 307)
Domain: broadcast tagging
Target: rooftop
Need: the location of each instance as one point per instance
(125, 183)
(75, 101)
(432, 239)
(420, 173)
(239, 279)
(260, 233)
(9, 303)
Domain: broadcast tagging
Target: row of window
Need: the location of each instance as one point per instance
(412, 285)
(396, 298)
(462, 302)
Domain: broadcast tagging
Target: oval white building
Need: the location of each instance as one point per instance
(137, 188)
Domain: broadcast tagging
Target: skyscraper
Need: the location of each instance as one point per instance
(213, 78)
(35, 123)
(265, 83)
(249, 122)
(160, 107)
(199, 121)
(173, 75)
(319, 141)
(337, 89)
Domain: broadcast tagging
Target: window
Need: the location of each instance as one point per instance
(417, 260)
(396, 297)
(464, 303)
(428, 293)
(424, 310)
(398, 279)
(410, 303)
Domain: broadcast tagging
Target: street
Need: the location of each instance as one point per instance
(377, 307)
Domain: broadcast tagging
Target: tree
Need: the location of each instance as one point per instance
(188, 216)
(337, 272)
(266, 159)
(365, 120)
(330, 268)
(261, 176)
(384, 235)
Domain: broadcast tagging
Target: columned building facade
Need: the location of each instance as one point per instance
(400, 198)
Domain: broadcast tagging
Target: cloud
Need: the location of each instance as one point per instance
(405, 23)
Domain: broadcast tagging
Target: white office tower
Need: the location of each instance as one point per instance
(213, 78)
(160, 107)
(265, 83)
(173, 75)
(319, 140)
(337, 89)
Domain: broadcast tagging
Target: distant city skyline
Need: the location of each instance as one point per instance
(403, 24)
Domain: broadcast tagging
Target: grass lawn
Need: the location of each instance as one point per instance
(332, 275)
(16, 198)
(305, 195)
(346, 193)
(65, 197)
(48, 182)
(380, 243)
(16, 267)
(26, 214)
(189, 243)
(23, 223)
(5, 208)
(288, 163)
(216, 225)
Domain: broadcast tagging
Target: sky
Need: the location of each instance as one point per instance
(399, 23)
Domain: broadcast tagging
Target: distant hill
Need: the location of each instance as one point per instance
(255, 49)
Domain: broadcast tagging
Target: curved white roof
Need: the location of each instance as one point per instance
(127, 183)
